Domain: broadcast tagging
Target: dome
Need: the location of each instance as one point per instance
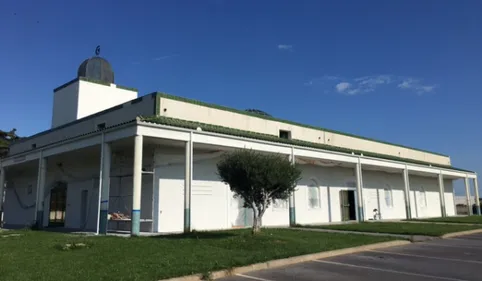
(96, 68)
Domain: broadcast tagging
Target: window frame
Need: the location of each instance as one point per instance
(283, 207)
(387, 190)
(314, 184)
(422, 203)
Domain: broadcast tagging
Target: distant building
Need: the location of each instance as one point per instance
(154, 160)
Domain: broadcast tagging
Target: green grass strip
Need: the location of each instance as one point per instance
(37, 255)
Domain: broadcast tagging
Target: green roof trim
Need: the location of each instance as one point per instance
(92, 81)
(127, 88)
(168, 96)
(168, 121)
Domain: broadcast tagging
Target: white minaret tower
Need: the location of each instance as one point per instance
(91, 92)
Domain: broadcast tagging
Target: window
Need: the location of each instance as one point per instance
(351, 183)
(388, 196)
(285, 134)
(314, 200)
(101, 126)
(280, 204)
(422, 198)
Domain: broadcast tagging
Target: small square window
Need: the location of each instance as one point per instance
(34, 145)
(101, 126)
(285, 134)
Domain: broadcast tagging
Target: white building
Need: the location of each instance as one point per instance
(154, 160)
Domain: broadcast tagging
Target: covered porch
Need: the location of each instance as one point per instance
(128, 163)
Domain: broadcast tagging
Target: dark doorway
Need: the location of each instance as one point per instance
(58, 198)
(348, 206)
(83, 208)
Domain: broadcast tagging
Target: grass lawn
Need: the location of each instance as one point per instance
(466, 219)
(428, 229)
(37, 255)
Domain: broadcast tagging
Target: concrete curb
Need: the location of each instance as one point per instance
(445, 223)
(289, 261)
(401, 236)
(461, 233)
(411, 237)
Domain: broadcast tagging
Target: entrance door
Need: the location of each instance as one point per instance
(83, 208)
(347, 202)
(58, 196)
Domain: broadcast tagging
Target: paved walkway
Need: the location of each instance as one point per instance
(457, 259)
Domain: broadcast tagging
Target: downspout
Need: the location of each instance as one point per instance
(100, 182)
(292, 207)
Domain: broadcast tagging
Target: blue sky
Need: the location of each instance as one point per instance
(407, 71)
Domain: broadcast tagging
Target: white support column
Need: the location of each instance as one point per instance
(187, 185)
(104, 186)
(330, 215)
(39, 203)
(442, 194)
(476, 194)
(292, 195)
(137, 186)
(406, 181)
(379, 205)
(467, 196)
(359, 190)
(2, 191)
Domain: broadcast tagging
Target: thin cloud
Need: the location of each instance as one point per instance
(416, 85)
(371, 83)
(342, 87)
(285, 47)
(323, 79)
(164, 57)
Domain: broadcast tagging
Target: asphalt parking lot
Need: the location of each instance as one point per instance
(456, 259)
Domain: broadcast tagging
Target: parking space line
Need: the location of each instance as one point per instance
(252, 277)
(425, 257)
(390, 271)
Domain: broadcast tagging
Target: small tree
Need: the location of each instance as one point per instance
(6, 138)
(258, 179)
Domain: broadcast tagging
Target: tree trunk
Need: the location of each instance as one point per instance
(256, 224)
(258, 213)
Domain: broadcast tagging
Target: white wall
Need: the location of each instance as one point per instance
(95, 97)
(376, 194)
(212, 202)
(83, 98)
(65, 107)
(449, 198)
(126, 112)
(20, 211)
(209, 201)
(432, 194)
(212, 205)
(200, 113)
(80, 171)
(331, 180)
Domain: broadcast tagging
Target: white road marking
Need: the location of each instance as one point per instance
(252, 277)
(426, 257)
(391, 271)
